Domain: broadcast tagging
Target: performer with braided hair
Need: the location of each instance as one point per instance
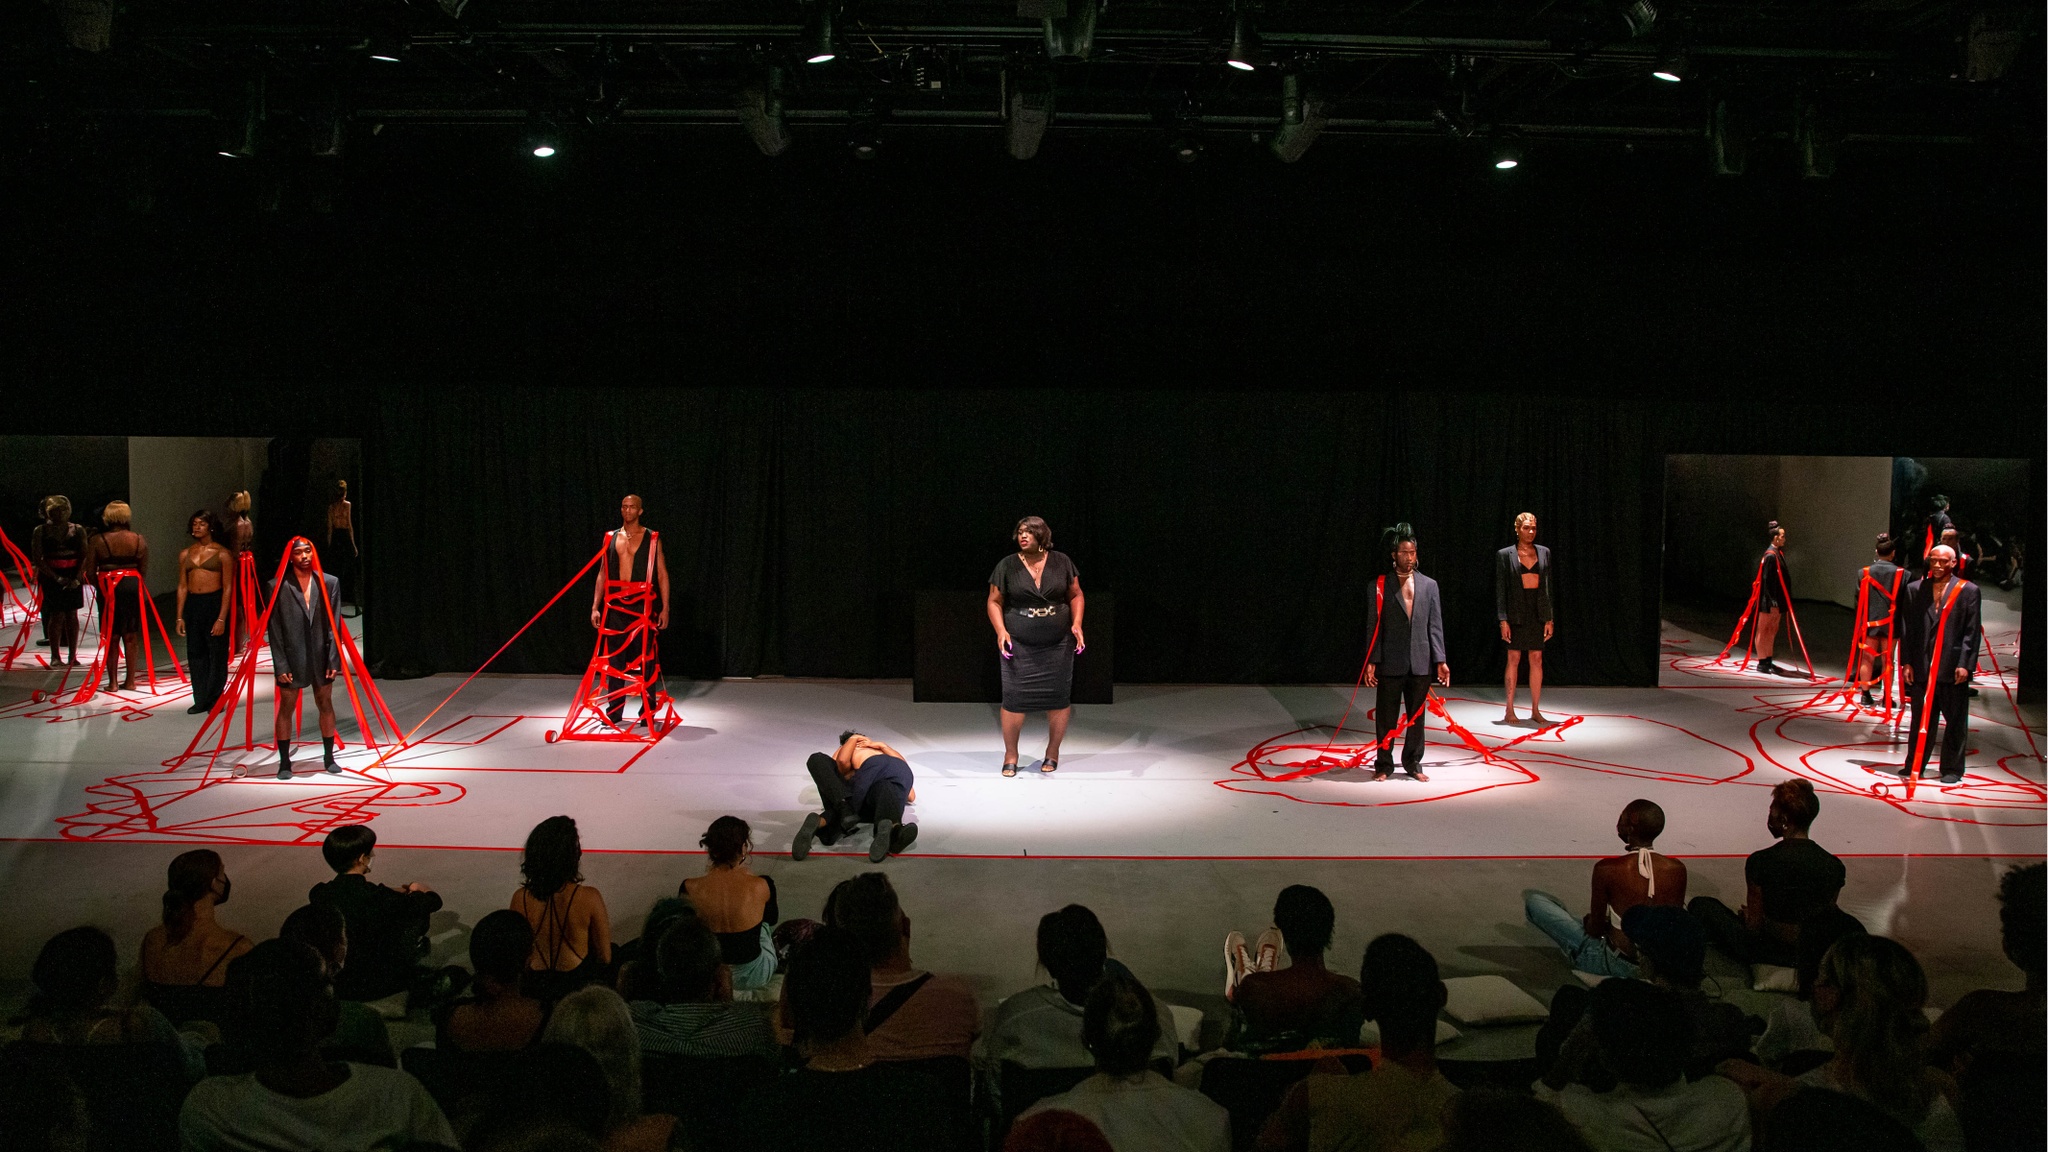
(1407, 650)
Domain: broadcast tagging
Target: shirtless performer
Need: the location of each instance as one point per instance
(341, 521)
(624, 595)
(241, 540)
(303, 651)
(1640, 876)
(866, 781)
(204, 569)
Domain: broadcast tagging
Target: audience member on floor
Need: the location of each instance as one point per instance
(1137, 1109)
(1399, 1104)
(1040, 1027)
(1597, 943)
(594, 1019)
(185, 959)
(912, 1014)
(1671, 951)
(1641, 1035)
(74, 1002)
(691, 1011)
(1818, 1120)
(1992, 1041)
(498, 1016)
(572, 931)
(844, 1097)
(1490, 1120)
(1054, 1131)
(41, 1110)
(1305, 1001)
(553, 1098)
(359, 1032)
(387, 927)
(1792, 1042)
(1788, 882)
(736, 904)
(297, 1098)
(1871, 995)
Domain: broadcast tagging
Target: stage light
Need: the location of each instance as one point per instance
(88, 24)
(863, 140)
(820, 42)
(543, 138)
(1070, 38)
(760, 108)
(1638, 17)
(1186, 148)
(1302, 117)
(1672, 67)
(1247, 51)
(1727, 147)
(1026, 115)
(1507, 155)
(243, 131)
(387, 47)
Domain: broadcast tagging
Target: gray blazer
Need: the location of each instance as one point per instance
(1405, 646)
(301, 640)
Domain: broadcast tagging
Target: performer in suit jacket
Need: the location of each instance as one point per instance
(303, 651)
(1522, 598)
(1939, 622)
(1407, 650)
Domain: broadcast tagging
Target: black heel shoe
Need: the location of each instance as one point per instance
(1009, 769)
(1048, 767)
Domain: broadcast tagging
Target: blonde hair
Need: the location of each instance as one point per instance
(1529, 516)
(117, 515)
(238, 503)
(595, 1019)
(53, 502)
(1879, 1027)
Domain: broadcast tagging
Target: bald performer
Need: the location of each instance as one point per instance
(1939, 624)
(637, 573)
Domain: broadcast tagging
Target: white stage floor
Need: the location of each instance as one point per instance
(1161, 774)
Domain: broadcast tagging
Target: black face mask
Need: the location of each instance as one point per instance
(226, 886)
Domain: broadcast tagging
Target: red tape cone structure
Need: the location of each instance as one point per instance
(625, 664)
(21, 600)
(104, 586)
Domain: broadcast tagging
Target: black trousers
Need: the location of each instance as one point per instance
(885, 800)
(206, 653)
(1399, 694)
(1951, 716)
(1725, 930)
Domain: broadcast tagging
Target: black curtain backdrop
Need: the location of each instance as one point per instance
(1240, 531)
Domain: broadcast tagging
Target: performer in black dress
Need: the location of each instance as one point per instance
(57, 549)
(1881, 581)
(118, 559)
(1774, 584)
(1035, 604)
(1521, 599)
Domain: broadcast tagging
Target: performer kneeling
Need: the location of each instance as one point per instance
(303, 652)
(866, 781)
(1408, 646)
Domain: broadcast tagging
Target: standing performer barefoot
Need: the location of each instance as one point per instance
(622, 600)
(1773, 592)
(1035, 604)
(1407, 647)
(57, 549)
(121, 554)
(204, 569)
(1522, 601)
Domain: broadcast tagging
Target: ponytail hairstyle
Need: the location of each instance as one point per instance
(1879, 1026)
(1771, 531)
(1396, 536)
(190, 880)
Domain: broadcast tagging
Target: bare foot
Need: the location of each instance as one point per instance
(1539, 719)
(1508, 717)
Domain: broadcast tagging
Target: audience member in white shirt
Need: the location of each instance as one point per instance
(1137, 1109)
(1642, 1034)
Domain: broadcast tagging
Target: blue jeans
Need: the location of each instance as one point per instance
(1587, 953)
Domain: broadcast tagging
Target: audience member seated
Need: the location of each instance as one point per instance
(1792, 1042)
(1400, 1102)
(73, 1003)
(692, 1012)
(185, 959)
(1137, 1109)
(1641, 1035)
(1871, 996)
(572, 931)
(41, 1110)
(1788, 882)
(1671, 953)
(359, 1032)
(387, 927)
(1992, 1041)
(554, 1090)
(498, 1016)
(634, 959)
(297, 1098)
(844, 1097)
(1598, 944)
(1040, 1027)
(912, 1014)
(1490, 1120)
(1304, 1001)
(594, 1019)
(1818, 1120)
(1053, 1131)
(736, 904)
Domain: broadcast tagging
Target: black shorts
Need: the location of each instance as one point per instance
(1525, 637)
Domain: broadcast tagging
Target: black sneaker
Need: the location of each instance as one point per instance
(331, 767)
(805, 832)
(284, 771)
(1948, 779)
(906, 835)
(1766, 667)
(885, 831)
(196, 709)
(1867, 701)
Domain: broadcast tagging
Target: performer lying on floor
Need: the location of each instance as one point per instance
(866, 781)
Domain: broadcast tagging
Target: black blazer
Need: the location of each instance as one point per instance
(1507, 571)
(1919, 616)
(301, 638)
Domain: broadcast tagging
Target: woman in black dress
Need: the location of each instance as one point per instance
(57, 549)
(1522, 599)
(118, 560)
(1773, 585)
(1035, 603)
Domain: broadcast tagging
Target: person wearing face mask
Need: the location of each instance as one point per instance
(185, 959)
(1407, 652)
(1940, 625)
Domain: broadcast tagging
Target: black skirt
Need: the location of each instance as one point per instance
(1525, 637)
(1039, 675)
(125, 613)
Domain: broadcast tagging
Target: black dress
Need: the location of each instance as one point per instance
(62, 553)
(1526, 610)
(121, 576)
(1039, 675)
(1775, 582)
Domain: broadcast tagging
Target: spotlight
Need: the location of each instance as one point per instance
(1071, 37)
(1672, 67)
(543, 139)
(1186, 148)
(387, 47)
(1507, 154)
(1638, 16)
(1302, 117)
(760, 108)
(1247, 52)
(1026, 115)
(242, 133)
(862, 140)
(820, 41)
